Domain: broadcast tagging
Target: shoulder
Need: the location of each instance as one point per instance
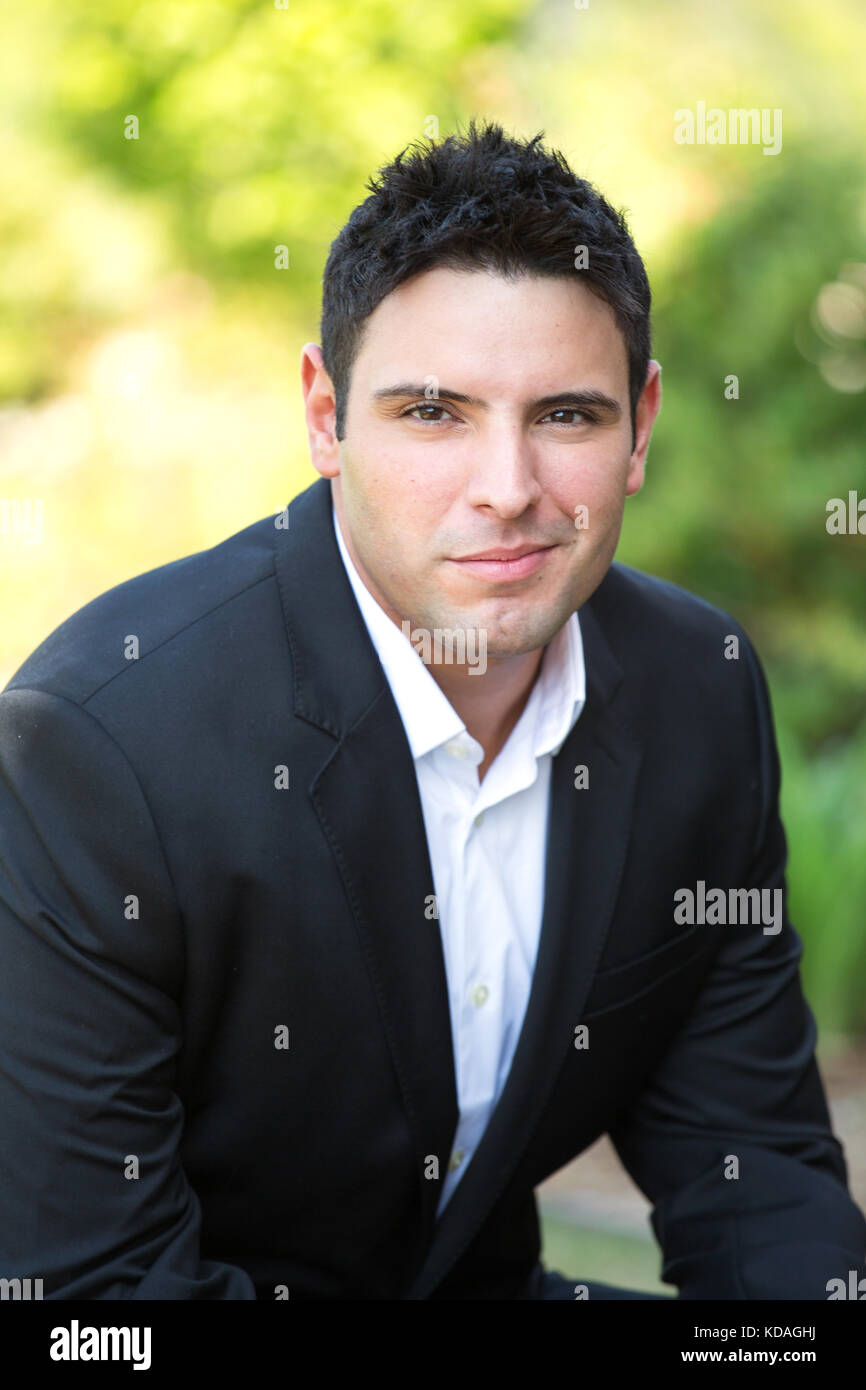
(630, 600)
(652, 624)
(112, 635)
(683, 659)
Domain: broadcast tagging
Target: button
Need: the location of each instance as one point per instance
(457, 750)
(479, 994)
(456, 1159)
(479, 818)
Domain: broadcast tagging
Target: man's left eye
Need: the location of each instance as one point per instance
(569, 410)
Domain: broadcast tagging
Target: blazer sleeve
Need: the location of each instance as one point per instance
(741, 1082)
(93, 1198)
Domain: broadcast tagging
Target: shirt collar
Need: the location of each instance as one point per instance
(555, 702)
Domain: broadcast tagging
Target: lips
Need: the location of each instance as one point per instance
(503, 554)
(501, 565)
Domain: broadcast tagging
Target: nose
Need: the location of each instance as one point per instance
(503, 474)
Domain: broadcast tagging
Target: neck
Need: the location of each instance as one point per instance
(491, 704)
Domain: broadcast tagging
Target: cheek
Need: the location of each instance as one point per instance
(395, 518)
(594, 494)
(411, 498)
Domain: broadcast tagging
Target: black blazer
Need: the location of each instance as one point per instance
(168, 904)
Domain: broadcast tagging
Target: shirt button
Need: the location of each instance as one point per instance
(479, 994)
(455, 1160)
(456, 750)
(479, 818)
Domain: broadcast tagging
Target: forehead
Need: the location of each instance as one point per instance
(520, 333)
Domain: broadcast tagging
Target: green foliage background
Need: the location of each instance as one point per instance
(149, 347)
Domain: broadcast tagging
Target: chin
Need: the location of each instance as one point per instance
(520, 644)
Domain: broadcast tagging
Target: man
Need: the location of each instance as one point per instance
(361, 871)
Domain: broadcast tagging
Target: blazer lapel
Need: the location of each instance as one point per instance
(366, 797)
(588, 832)
(367, 801)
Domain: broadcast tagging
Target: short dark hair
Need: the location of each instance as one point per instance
(479, 201)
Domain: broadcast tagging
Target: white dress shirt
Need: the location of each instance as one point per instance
(486, 843)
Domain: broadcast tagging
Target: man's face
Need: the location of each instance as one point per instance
(421, 482)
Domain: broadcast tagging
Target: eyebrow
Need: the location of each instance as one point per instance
(576, 399)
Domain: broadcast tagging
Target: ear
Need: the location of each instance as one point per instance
(320, 411)
(646, 410)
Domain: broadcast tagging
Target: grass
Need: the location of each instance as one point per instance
(588, 1255)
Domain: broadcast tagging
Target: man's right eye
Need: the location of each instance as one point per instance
(424, 405)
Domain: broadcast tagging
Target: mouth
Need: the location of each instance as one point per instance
(504, 564)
